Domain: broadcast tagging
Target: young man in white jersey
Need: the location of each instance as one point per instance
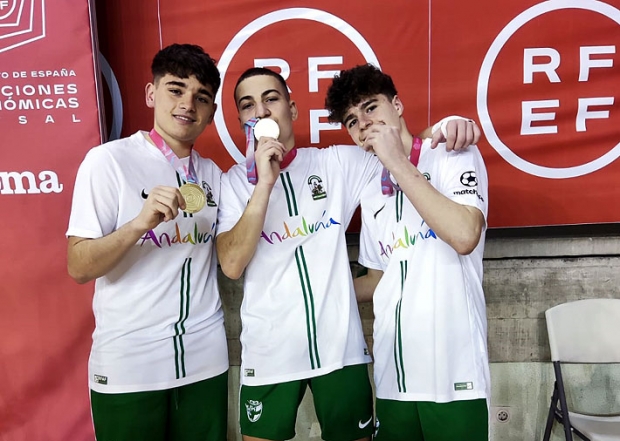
(159, 362)
(301, 326)
(422, 241)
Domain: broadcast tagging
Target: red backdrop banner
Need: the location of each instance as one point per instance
(540, 77)
(48, 119)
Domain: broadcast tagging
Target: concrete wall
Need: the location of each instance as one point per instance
(523, 278)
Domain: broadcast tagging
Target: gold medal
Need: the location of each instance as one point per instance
(194, 196)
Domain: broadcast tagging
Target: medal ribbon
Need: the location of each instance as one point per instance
(387, 184)
(189, 173)
(250, 163)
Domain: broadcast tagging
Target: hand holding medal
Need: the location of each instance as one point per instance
(193, 194)
(255, 129)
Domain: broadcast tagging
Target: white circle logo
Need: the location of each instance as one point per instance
(262, 22)
(483, 84)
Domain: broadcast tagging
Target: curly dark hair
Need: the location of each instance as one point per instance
(258, 71)
(184, 60)
(353, 85)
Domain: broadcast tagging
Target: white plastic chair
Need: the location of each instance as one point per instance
(585, 331)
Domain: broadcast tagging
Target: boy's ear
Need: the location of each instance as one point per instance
(149, 95)
(294, 111)
(213, 114)
(398, 105)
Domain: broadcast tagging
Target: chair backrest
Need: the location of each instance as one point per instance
(585, 331)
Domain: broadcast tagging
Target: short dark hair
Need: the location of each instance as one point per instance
(184, 60)
(353, 85)
(258, 71)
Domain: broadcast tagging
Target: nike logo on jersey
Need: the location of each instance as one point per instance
(379, 211)
(363, 425)
(144, 194)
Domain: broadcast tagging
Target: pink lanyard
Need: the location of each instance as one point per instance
(387, 185)
(188, 173)
(250, 163)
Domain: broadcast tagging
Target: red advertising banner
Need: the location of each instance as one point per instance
(538, 76)
(544, 76)
(48, 119)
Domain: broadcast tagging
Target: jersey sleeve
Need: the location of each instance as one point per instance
(464, 178)
(94, 208)
(359, 169)
(233, 198)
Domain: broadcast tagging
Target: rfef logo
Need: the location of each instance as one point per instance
(21, 22)
(557, 116)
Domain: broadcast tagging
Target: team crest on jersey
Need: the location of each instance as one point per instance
(209, 193)
(254, 409)
(316, 187)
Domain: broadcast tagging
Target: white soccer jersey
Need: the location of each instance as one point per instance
(430, 330)
(159, 321)
(299, 314)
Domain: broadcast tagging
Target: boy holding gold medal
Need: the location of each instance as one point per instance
(142, 226)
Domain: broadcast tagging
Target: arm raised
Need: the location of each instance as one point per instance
(458, 225)
(236, 247)
(88, 259)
